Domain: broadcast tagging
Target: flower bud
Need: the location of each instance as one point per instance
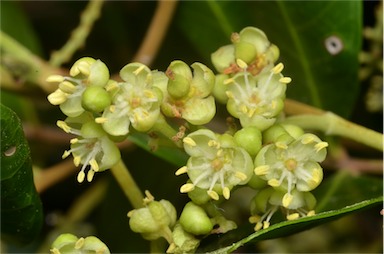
(95, 99)
(178, 86)
(195, 220)
(250, 139)
(245, 51)
(68, 244)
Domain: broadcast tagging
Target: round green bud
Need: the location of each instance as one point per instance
(245, 51)
(276, 133)
(220, 88)
(199, 196)
(95, 99)
(223, 57)
(195, 220)
(250, 139)
(92, 130)
(178, 86)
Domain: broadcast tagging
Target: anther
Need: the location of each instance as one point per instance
(79, 244)
(101, 120)
(76, 160)
(287, 200)
(189, 141)
(226, 193)
(187, 188)
(281, 145)
(62, 125)
(278, 68)
(55, 78)
(81, 176)
(181, 170)
(285, 80)
(320, 146)
(273, 182)
(94, 165)
(241, 63)
(241, 175)
(74, 141)
(262, 170)
(138, 70)
(307, 140)
(213, 194)
(90, 175)
(293, 216)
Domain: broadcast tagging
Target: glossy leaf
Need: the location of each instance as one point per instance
(305, 31)
(21, 208)
(338, 196)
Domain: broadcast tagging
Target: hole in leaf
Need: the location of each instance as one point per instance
(10, 151)
(334, 45)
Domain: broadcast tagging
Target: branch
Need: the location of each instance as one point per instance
(79, 34)
(156, 32)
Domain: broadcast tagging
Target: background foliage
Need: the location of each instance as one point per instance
(299, 29)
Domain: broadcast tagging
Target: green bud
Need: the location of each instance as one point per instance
(199, 196)
(92, 130)
(250, 139)
(194, 220)
(220, 88)
(68, 244)
(183, 241)
(256, 37)
(151, 221)
(223, 57)
(178, 86)
(95, 99)
(245, 51)
(99, 74)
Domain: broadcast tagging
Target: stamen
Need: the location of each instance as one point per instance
(244, 109)
(189, 141)
(64, 126)
(254, 219)
(94, 165)
(274, 182)
(258, 226)
(311, 213)
(181, 170)
(213, 143)
(112, 108)
(148, 196)
(228, 81)
(229, 94)
(287, 199)
(262, 170)
(307, 140)
(241, 175)
(79, 244)
(84, 68)
(65, 154)
(226, 193)
(285, 80)
(55, 78)
(81, 176)
(293, 216)
(74, 140)
(57, 97)
(320, 146)
(278, 68)
(241, 63)
(90, 175)
(138, 70)
(266, 224)
(219, 152)
(281, 145)
(213, 194)
(111, 85)
(101, 120)
(67, 87)
(76, 160)
(187, 188)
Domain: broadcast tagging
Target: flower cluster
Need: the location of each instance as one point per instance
(217, 163)
(290, 167)
(281, 162)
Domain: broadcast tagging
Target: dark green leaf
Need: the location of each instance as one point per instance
(300, 29)
(335, 201)
(21, 209)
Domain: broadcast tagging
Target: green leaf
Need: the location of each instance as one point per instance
(21, 208)
(300, 29)
(338, 196)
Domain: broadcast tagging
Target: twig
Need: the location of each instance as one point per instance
(156, 32)
(45, 178)
(79, 34)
